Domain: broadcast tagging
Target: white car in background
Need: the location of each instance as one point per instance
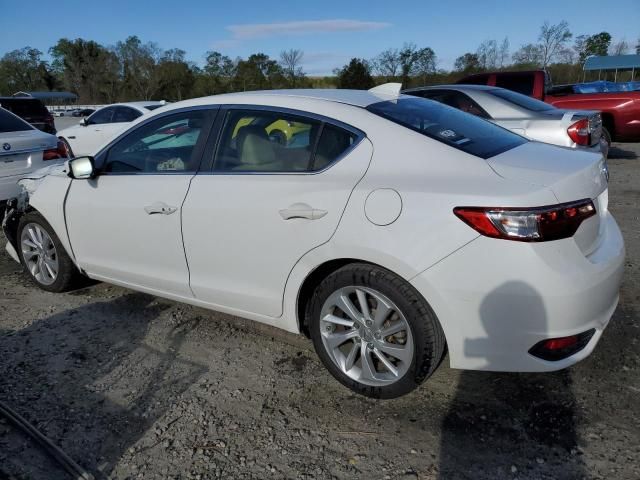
(388, 228)
(101, 126)
(23, 149)
(537, 120)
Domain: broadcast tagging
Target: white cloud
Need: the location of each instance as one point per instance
(305, 27)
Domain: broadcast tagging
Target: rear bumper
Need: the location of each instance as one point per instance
(496, 299)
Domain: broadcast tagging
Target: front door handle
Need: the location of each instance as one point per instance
(159, 208)
(302, 210)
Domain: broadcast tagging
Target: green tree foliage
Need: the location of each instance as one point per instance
(176, 76)
(467, 63)
(356, 74)
(597, 44)
(25, 70)
(258, 72)
(86, 68)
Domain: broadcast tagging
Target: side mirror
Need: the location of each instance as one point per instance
(84, 122)
(81, 168)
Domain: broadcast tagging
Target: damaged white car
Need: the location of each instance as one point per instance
(388, 228)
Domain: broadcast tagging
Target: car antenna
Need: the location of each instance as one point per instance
(391, 89)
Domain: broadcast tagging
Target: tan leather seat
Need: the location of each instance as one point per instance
(255, 151)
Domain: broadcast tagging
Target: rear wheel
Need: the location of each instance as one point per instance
(374, 332)
(606, 135)
(43, 255)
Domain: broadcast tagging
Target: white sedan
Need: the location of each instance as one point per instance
(390, 229)
(23, 149)
(101, 126)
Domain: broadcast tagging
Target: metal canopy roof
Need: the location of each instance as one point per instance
(613, 62)
(48, 95)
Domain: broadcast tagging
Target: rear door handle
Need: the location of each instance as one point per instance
(159, 208)
(302, 210)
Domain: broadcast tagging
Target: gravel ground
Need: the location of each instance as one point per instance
(132, 386)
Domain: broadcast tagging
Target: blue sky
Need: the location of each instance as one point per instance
(329, 32)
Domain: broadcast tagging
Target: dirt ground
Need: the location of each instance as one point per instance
(131, 386)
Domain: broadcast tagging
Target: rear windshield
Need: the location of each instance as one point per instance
(520, 100)
(24, 106)
(448, 125)
(11, 123)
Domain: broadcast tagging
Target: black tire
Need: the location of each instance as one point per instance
(607, 136)
(68, 275)
(428, 338)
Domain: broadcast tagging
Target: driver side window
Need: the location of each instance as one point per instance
(164, 145)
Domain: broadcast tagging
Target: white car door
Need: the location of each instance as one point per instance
(273, 194)
(124, 225)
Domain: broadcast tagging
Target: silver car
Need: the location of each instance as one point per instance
(523, 115)
(23, 149)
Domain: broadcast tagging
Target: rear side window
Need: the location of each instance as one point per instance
(523, 101)
(521, 83)
(270, 141)
(125, 114)
(447, 125)
(11, 123)
(454, 99)
(101, 116)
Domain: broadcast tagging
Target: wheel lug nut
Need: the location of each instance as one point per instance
(377, 335)
(329, 328)
(370, 346)
(369, 323)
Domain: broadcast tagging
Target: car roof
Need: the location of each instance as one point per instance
(138, 105)
(358, 98)
(458, 86)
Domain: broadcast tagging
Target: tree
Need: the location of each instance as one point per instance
(553, 39)
(467, 63)
(503, 53)
(176, 75)
(529, 55)
(487, 54)
(291, 63)
(86, 68)
(258, 72)
(620, 48)
(425, 63)
(597, 44)
(23, 69)
(387, 63)
(216, 76)
(407, 57)
(139, 64)
(356, 74)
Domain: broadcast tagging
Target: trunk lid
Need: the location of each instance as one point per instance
(570, 174)
(22, 151)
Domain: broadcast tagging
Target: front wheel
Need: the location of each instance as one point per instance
(374, 332)
(44, 257)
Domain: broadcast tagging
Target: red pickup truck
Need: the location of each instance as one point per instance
(620, 110)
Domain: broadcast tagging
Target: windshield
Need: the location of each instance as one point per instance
(448, 125)
(11, 123)
(521, 100)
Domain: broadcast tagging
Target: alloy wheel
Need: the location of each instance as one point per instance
(366, 335)
(39, 253)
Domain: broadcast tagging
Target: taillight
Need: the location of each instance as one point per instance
(60, 151)
(539, 224)
(554, 349)
(580, 132)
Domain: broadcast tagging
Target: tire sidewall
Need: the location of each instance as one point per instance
(377, 279)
